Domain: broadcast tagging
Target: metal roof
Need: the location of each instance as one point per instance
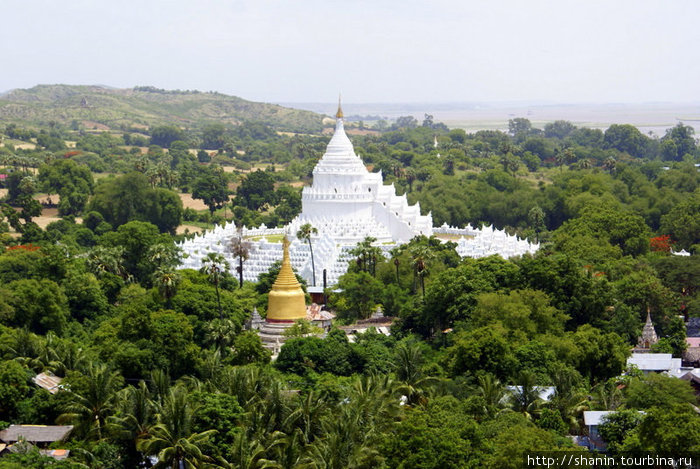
(48, 381)
(35, 433)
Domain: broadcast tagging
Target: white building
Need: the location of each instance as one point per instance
(345, 203)
(353, 203)
(656, 363)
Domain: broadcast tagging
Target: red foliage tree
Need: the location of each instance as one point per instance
(661, 243)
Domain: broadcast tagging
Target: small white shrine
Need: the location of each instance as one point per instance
(345, 203)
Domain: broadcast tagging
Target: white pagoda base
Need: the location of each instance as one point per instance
(346, 203)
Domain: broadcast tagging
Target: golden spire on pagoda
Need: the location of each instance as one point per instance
(286, 302)
(339, 114)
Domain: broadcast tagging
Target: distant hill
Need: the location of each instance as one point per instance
(145, 106)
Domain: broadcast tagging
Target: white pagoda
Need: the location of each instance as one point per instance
(352, 203)
(345, 203)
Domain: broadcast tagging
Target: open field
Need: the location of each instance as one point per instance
(19, 144)
(189, 202)
(182, 229)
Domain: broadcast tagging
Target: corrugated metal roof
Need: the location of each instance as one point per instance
(35, 433)
(654, 361)
(595, 417)
(48, 381)
(693, 341)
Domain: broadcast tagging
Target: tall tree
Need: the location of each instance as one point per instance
(130, 197)
(90, 407)
(172, 439)
(167, 282)
(215, 266)
(164, 135)
(367, 255)
(240, 248)
(421, 257)
(305, 232)
(72, 182)
(256, 190)
(212, 188)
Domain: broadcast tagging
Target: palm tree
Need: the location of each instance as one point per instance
(101, 260)
(525, 398)
(584, 163)
(240, 248)
(90, 410)
(536, 217)
(344, 445)
(164, 256)
(210, 365)
(510, 163)
(395, 253)
(171, 440)
(559, 158)
(272, 409)
(421, 256)
(306, 417)
(305, 232)
(374, 401)
(63, 356)
(607, 396)
(493, 393)
(408, 362)
(249, 453)
(221, 333)
(371, 408)
(160, 385)
(367, 255)
(215, 265)
(26, 348)
(569, 155)
(288, 450)
(135, 415)
(448, 165)
(610, 164)
(167, 283)
(570, 406)
(152, 175)
(410, 176)
(568, 399)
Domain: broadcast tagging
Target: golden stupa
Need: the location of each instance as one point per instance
(286, 300)
(339, 114)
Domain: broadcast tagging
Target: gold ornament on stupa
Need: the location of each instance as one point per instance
(339, 114)
(285, 302)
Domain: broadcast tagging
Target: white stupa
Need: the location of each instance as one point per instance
(352, 203)
(345, 203)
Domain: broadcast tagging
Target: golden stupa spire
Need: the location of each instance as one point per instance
(286, 302)
(339, 114)
(286, 277)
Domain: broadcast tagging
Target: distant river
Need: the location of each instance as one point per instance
(650, 117)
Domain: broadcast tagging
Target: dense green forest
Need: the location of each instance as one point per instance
(156, 362)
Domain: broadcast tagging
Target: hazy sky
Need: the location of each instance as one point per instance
(371, 50)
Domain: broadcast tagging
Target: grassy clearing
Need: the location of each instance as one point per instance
(19, 144)
(277, 238)
(190, 227)
(452, 237)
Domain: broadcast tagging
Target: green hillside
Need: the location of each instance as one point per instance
(96, 106)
